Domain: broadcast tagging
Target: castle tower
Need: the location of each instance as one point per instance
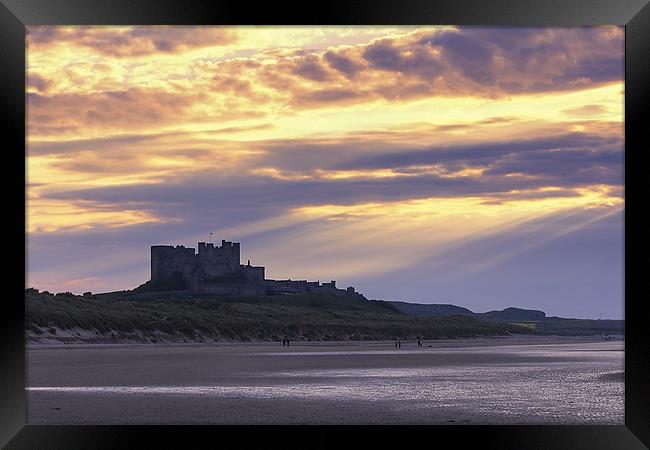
(171, 266)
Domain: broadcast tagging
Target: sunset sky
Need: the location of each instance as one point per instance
(481, 167)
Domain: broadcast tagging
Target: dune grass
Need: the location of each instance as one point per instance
(306, 317)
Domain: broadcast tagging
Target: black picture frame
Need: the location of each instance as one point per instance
(633, 14)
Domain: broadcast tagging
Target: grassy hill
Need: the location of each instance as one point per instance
(512, 315)
(435, 309)
(116, 318)
(534, 319)
(424, 310)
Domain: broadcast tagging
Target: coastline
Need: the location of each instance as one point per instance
(522, 339)
(525, 380)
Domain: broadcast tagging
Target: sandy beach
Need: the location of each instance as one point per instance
(532, 380)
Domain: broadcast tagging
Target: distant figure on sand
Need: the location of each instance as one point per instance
(395, 344)
(399, 344)
(419, 343)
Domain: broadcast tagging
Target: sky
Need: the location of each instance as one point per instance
(481, 167)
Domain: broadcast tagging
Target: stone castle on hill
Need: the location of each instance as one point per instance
(218, 271)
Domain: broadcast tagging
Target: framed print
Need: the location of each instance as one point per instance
(355, 218)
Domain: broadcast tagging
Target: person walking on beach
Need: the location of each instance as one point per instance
(399, 344)
(395, 344)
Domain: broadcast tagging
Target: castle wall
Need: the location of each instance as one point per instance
(253, 274)
(227, 289)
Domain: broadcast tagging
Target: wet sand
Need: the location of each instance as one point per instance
(484, 381)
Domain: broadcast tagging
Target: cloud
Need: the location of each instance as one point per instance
(496, 172)
(475, 61)
(181, 169)
(133, 107)
(482, 62)
(115, 142)
(464, 62)
(310, 68)
(585, 111)
(320, 96)
(498, 62)
(473, 125)
(562, 157)
(130, 41)
(36, 82)
(382, 55)
(129, 109)
(122, 143)
(341, 62)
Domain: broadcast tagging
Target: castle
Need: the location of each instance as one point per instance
(217, 270)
